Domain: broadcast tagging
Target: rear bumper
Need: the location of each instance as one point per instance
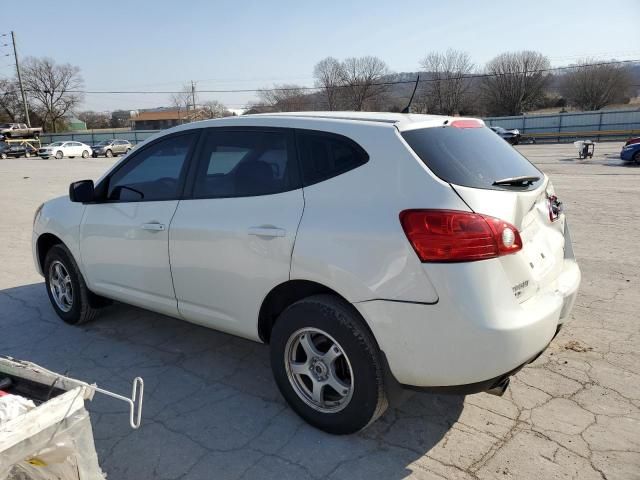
(476, 333)
(482, 386)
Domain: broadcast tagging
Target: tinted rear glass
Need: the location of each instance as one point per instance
(325, 155)
(471, 157)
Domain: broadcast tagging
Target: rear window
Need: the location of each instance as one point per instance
(470, 157)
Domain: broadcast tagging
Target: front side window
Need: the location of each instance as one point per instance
(326, 155)
(154, 173)
(235, 163)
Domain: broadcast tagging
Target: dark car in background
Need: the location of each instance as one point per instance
(631, 152)
(16, 151)
(110, 148)
(512, 136)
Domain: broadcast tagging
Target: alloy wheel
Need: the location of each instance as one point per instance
(319, 370)
(60, 286)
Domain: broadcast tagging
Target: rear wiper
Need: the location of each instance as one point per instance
(523, 180)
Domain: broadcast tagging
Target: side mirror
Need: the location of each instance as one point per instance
(82, 191)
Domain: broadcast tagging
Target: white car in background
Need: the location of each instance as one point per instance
(69, 149)
(369, 250)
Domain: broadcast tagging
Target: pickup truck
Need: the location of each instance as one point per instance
(19, 130)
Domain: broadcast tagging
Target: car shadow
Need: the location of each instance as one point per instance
(211, 407)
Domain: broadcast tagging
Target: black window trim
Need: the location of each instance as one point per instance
(325, 134)
(103, 186)
(292, 154)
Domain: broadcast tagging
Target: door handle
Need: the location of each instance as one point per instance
(153, 227)
(267, 231)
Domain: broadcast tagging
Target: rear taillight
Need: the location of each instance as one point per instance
(555, 208)
(454, 236)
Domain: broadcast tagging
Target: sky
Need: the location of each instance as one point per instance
(161, 45)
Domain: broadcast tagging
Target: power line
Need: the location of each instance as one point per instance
(388, 83)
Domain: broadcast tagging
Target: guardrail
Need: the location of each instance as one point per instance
(598, 135)
(92, 137)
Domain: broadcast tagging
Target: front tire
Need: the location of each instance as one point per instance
(67, 290)
(3, 156)
(59, 155)
(108, 154)
(327, 365)
(636, 158)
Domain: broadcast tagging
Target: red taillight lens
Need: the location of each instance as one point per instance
(467, 123)
(454, 236)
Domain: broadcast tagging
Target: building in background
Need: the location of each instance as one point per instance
(158, 118)
(75, 124)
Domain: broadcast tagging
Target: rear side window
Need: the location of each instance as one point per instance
(326, 155)
(246, 163)
(470, 157)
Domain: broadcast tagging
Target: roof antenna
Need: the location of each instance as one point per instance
(407, 109)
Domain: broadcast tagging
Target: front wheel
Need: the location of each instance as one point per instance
(108, 154)
(85, 154)
(636, 158)
(27, 154)
(3, 156)
(327, 365)
(59, 155)
(67, 290)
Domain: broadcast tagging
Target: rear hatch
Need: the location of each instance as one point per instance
(494, 179)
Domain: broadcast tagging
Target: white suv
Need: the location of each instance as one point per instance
(369, 250)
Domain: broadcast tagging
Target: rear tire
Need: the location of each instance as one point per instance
(319, 343)
(3, 156)
(67, 290)
(85, 154)
(636, 158)
(27, 154)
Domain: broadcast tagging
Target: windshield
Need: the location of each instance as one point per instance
(56, 144)
(470, 157)
(103, 143)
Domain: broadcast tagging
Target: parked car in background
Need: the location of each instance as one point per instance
(110, 148)
(452, 277)
(631, 152)
(19, 130)
(7, 150)
(632, 140)
(512, 136)
(69, 149)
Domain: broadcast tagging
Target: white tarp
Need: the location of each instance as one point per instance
(51, 441)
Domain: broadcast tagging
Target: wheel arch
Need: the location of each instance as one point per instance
(286, 294)
(44, 243)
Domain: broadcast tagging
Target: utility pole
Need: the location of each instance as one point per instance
(24, 97)
(193, 98)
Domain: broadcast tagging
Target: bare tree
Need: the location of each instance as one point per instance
(286, 98)
(589, 86)
(447, 83)
(11, 108)
(53, 88)
(361, 77)
(516, 81)
(183, 101)
(328, 75)
(214, 109)
(95, 120)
